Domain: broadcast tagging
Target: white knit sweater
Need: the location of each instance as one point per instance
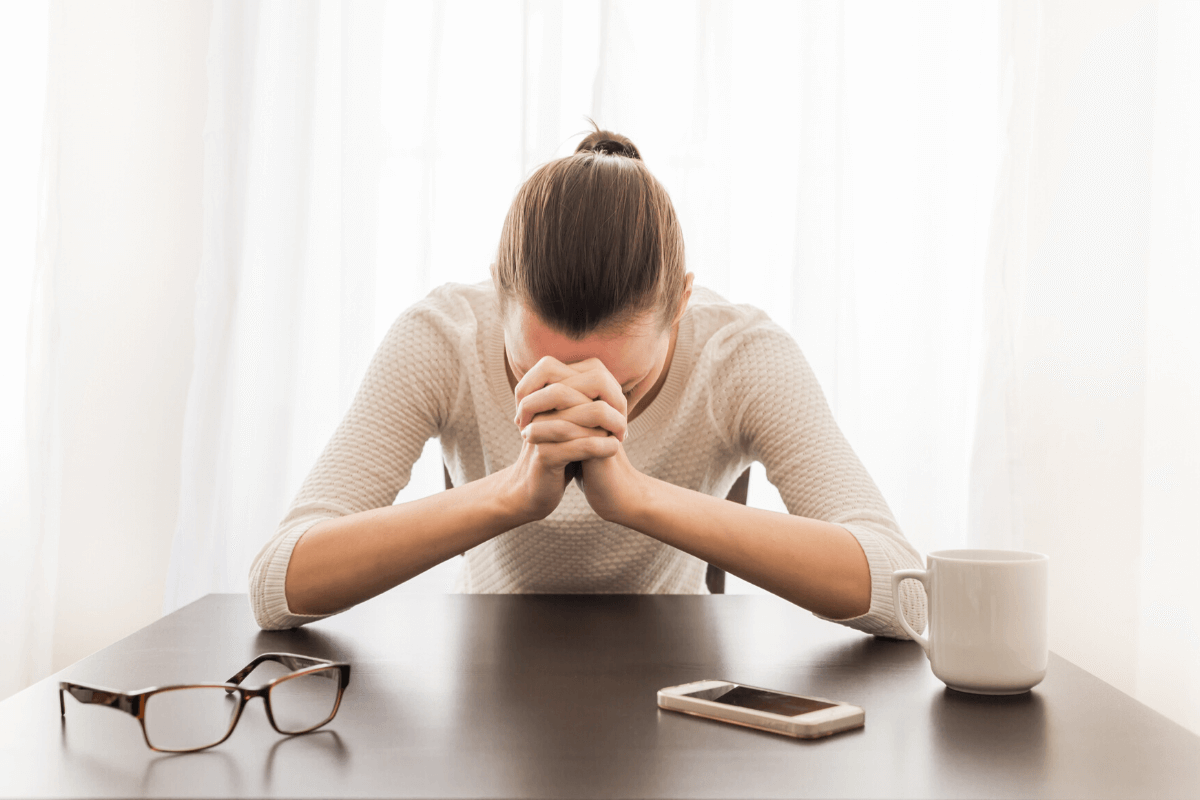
(738, 390)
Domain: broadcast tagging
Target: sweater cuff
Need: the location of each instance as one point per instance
(880, 619)
(267, 597)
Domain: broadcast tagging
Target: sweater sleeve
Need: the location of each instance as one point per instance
(784, 421)
(404, 400)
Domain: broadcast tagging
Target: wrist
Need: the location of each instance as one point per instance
(512, 504)
(636, 502)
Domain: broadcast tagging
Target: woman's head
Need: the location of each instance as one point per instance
(591, 243)
(590, 264)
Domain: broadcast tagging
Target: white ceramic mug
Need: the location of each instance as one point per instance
(987, 618)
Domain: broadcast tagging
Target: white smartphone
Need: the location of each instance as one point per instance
(764, 709)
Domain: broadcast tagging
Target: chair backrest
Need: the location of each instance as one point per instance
(737, 494)
(715, 577)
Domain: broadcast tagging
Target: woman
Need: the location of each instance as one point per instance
(589, 354)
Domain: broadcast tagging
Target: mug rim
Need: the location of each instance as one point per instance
(988, 556)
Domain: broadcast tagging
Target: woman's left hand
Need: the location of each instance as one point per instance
(613, 486)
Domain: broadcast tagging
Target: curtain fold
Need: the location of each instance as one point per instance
(1168, 619)
(285, 294)
(1082, 447)
(105, 315)
(994, 489)
(29, 435)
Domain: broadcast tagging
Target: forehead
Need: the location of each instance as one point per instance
(628, 354)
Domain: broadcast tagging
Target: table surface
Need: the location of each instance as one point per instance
(541, 696)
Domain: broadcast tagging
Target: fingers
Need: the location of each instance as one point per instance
(546, 371)
(542, 390)
(559, 431)
(558, 454)
(554, 397)
(599, 384)
(595, 418)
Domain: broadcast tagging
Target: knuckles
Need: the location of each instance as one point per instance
(535, 396)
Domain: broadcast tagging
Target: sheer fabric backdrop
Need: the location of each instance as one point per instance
(979, 221)
(378, 160)
(25, 579)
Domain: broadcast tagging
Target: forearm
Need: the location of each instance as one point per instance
(817, 565)
(343, 561)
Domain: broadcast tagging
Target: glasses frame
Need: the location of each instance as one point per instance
(134, 703)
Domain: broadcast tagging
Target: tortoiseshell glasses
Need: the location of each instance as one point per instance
(196, 716)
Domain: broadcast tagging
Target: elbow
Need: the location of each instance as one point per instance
(854, 594)
(260, 608)
(268, 624)
(269, 617)
(858, 595)
(268, 605)
(861, 606)
(272, 608)
(283, 597)
(853, 603)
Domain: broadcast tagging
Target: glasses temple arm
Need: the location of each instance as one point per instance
(289, 660)
(96, 696)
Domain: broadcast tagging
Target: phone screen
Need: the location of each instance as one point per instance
(784, 704)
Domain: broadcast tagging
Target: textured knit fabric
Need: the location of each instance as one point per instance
(738, 390)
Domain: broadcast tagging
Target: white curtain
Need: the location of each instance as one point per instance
(25, 565)
(286, 288)
(1087, 445)
(103, 115)
(979, 221)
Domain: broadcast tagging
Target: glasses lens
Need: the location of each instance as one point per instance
(189, 718)
(305, 701)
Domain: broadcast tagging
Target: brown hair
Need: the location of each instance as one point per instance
(591, 241)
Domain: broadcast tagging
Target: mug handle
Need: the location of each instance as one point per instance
(919, 575)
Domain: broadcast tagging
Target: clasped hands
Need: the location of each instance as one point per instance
(573, 422)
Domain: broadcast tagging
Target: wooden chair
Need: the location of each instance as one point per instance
(715, 578)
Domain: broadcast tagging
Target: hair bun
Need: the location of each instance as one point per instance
(607, 142)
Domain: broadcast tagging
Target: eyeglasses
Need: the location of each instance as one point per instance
(188, 717)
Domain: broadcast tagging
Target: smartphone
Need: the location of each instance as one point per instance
(764, 709)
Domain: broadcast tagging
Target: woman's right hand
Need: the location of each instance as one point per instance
(567, 413)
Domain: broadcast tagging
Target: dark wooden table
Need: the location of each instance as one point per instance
(554, 696)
